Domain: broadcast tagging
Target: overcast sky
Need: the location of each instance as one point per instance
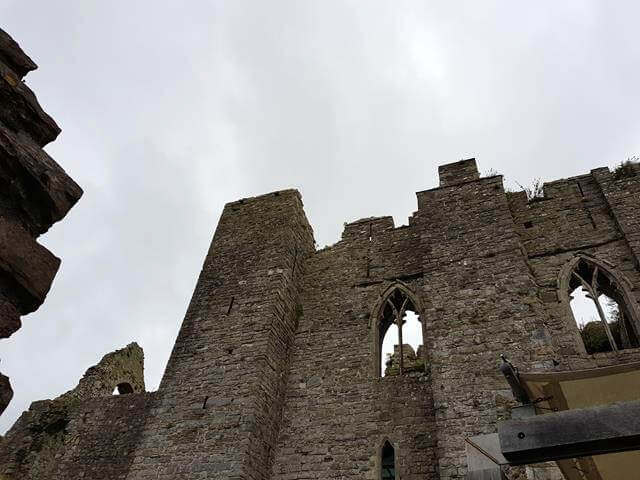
(170, 109)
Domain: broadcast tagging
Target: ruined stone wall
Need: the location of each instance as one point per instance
(484, 266)
(220, 401)
(86, 432)
(338, 412)
(275, 373)
(478, 265)
(596, 216)
(72, 439)
(122, 370)
(35, 192)
(481, 300)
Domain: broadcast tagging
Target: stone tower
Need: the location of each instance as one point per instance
(276, 373)
(224, 386)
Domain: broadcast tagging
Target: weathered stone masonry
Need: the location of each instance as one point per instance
(35, 192)
(275, 372)
(86, 432)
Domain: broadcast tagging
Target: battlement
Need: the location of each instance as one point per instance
(458, 172)
(290, 192)
(366, 228)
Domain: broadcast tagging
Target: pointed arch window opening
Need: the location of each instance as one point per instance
(388, 462)
(397, 311)
(598, 286)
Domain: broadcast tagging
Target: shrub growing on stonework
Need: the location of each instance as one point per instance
(595, 338)
(534, 191)
(628, 168)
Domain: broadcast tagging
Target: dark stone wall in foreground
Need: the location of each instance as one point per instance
(35, 192)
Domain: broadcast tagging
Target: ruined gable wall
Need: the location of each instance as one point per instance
(220, 400)
(338, 412)
(123, 367)
(481, 301)
(84, 433)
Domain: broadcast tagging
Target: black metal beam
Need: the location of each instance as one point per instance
(571, 433)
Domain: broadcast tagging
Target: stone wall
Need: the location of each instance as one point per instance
(480, 301)
(35, 192)
(72, 439)
(219, 405)
(594, 216)
(121, 371)
(338, 411)
(84, 433)
(276, 370)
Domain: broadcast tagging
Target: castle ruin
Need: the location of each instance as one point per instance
(278, 370)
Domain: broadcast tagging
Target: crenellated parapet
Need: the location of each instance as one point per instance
(279, 371)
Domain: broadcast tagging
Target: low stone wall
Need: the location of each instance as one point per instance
(70, 438)
(86, 432)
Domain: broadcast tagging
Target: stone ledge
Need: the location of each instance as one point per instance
(29, 267)
(39, 192)
(12, 54)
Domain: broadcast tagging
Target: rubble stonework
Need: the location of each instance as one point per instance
(86, 432)
(275, 373)
(35, 192)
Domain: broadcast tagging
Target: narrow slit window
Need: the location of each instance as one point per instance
(230, 305)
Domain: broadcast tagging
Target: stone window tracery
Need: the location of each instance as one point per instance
(601, 307)
(397, 333)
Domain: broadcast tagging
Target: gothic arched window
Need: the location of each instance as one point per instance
(601, 306)
(397, 333)
(388, 462)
